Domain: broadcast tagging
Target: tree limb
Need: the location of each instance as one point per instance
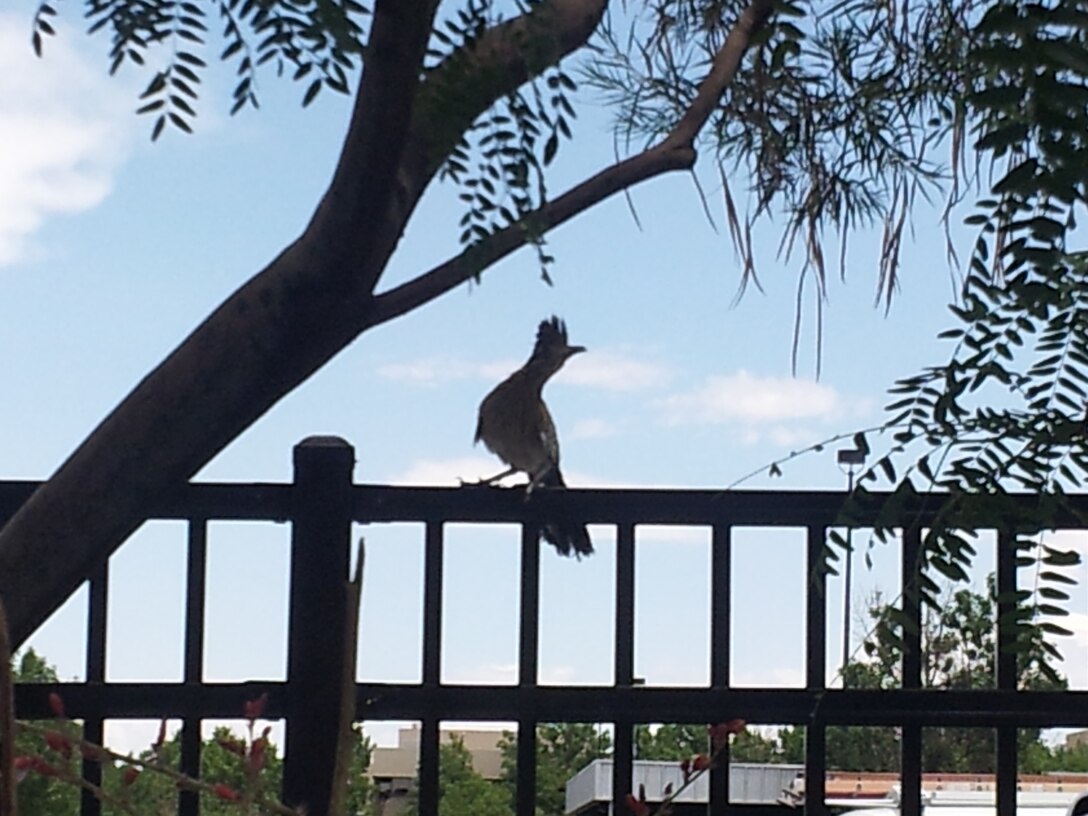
(675, 152)
(506, 56)
(262, 342)
(309, 303)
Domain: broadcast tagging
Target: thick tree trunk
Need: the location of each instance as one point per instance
(317, 296)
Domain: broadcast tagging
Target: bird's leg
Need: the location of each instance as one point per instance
(538, 480)
(497, 477)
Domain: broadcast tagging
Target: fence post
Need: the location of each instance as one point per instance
(320, 546)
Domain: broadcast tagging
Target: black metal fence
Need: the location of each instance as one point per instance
(322, 504)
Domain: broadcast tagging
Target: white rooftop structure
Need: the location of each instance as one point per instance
(750, 783)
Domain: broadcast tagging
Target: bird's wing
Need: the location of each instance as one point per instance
(548, 437)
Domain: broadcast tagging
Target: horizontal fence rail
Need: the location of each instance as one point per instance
(322, 504)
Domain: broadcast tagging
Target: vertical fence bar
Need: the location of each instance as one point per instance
(93, 731)
(1006, 761)
(624, 670)
(428, 765)
(721, 558)
(320, 552)
(816, 669)
(910, 746)
(195, 591)
(432, 665)
(528, 667)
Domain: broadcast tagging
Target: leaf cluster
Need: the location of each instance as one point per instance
(498, 163)
(836, 118)
(316, 41)
(1007, 411)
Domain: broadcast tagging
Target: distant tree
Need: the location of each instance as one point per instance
(461, 790)
(670, 741)
(40, 795)
(1041, 759)
(681, 741)
(155, 794)
(562, 750)
(360, 798)
(959, 650)
(791, 745)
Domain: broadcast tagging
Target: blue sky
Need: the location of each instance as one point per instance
(112, 249)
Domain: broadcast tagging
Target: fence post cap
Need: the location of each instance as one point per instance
(323, 441)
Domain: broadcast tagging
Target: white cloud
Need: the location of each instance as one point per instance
(431, 371)
(593, 429)
(750, 399)
(448, 472)
(613, 371)
(608, 370)
(63, 130)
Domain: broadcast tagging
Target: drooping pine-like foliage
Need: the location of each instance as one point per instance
(1006, 413)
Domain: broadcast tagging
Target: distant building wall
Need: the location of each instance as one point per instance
(393, 769)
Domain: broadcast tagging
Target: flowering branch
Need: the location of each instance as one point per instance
(253, 753)
(692, 768)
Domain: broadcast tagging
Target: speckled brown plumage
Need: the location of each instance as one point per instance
(515, 425)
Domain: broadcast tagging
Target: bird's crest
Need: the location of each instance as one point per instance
(550, 335)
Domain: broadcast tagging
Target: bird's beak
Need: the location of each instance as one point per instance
(572, 350)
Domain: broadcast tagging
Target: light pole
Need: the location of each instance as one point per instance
(850, 458)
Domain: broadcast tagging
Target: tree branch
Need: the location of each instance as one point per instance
(722, 70)
(262, 342)
(675, 152)
(469, 263)
(365, 180)
(506, 56)
(316, 297)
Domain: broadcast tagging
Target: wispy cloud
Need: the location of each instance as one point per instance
(751, 399)
(593, 429)
(615, 371)
(608, 370)
(447, 472)
(64, 126)
(429, 371)
(780, 410)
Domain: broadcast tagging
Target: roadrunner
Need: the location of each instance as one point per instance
(515, 425)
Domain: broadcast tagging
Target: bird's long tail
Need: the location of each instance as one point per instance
(568, 538)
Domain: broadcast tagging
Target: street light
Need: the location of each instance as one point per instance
(850, 458)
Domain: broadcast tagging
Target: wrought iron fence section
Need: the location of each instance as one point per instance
(322, 504)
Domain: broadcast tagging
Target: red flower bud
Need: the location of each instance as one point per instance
(635, 806)
(226, 792)
(255, 708)
(59, 743)
(232, 745)
(128, 776)
(160, 739)
(258, 754)
(700, 763)
(40, 766)
(685, 768)
(91, 753)
(56, 704)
